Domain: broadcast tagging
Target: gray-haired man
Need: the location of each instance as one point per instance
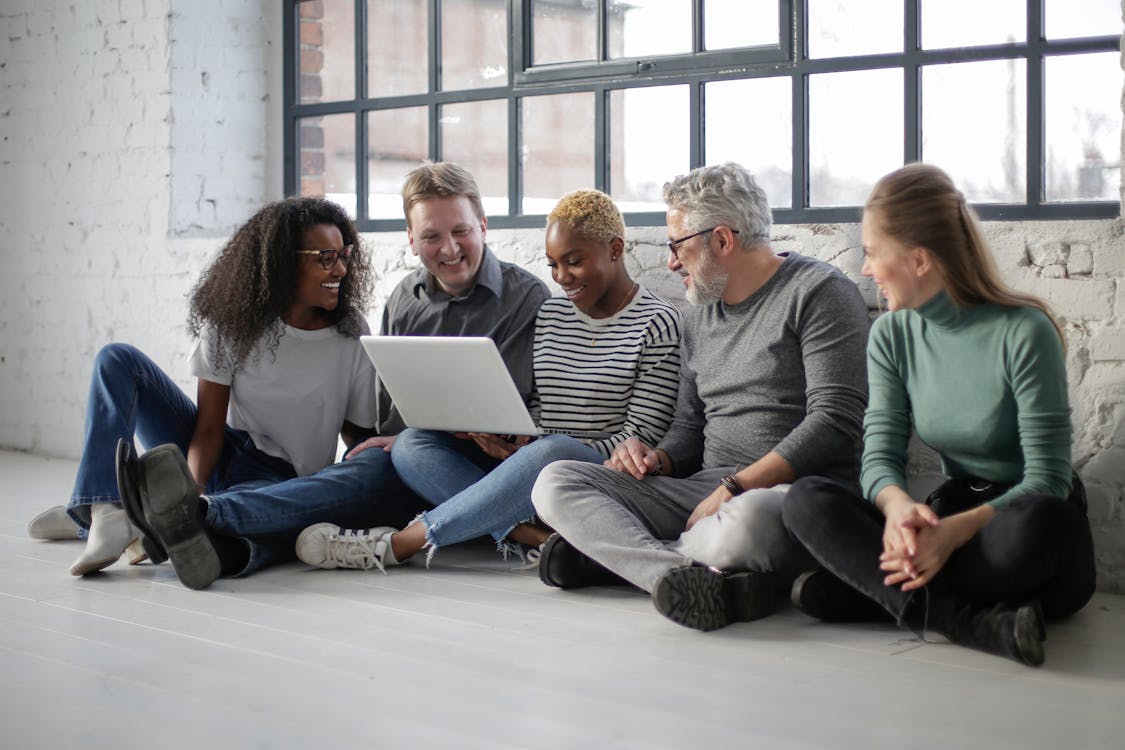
(772, 387)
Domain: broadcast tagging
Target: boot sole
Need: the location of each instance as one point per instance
(127, 467)
(174, 522)
(1028, 634)
(93, 566)
(701, 599)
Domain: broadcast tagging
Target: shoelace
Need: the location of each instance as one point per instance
(356, 549)
(529, 556)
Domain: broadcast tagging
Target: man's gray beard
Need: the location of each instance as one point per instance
(708, 282)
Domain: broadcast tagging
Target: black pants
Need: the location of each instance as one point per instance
(1036, 547)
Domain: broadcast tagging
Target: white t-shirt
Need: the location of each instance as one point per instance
(294, 399)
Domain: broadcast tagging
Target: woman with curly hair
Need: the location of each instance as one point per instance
(606, 366)
(280, 374)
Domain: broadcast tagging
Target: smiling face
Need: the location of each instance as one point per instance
(704, 277)
(448, 237)
(317, 289)
(904, 275)
(585, 269)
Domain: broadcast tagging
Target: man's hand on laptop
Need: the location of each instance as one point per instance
(379, 441)
(499, 446)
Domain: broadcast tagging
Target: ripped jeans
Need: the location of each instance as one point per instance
(476, 495)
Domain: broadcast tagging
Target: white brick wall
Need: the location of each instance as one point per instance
(106, 172)
(136, 134)
(220, 61)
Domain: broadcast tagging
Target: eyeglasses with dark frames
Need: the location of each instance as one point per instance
(672, 245)
(327, 258)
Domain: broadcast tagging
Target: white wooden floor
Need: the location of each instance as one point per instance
(477, 654)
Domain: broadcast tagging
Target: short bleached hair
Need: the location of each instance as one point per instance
(591, 214)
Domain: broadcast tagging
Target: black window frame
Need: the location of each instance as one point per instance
(788, 58)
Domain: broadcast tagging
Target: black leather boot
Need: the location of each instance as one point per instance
(1012, 630)
(822, 595)
(561, 565)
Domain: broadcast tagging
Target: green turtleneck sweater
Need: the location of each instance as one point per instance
(985, 387)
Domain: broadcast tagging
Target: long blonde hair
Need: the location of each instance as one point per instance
(919, 206)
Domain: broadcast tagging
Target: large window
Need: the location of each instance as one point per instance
(1018, 99)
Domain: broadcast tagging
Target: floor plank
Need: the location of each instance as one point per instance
(476, 653)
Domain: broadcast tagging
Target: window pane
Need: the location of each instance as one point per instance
(475, 135)
(965, 23)
(397, 40)
(563, 32)
(973, 127)
(648, 144)
(641, 28)
(765, 144)
(326, 154)
(1071, 18)
(474, 44)
(740, 23)
(855, 134)
(1083, 127)
(839, 28)
(327, 54)
(397, 141)
(558, 148)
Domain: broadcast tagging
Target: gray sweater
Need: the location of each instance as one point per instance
(782, 371)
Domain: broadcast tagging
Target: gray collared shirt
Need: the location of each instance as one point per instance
(502, 305)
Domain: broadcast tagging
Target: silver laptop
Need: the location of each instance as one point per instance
(450, 383)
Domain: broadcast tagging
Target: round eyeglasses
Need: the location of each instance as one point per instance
(327, 258)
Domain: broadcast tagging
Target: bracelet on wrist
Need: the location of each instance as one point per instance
(730, 483)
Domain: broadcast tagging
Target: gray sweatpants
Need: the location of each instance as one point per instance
(636, 527)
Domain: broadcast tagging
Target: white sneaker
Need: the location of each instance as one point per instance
(326, 545)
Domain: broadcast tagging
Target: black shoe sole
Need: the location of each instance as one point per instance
(127, 466)
(171, 506)
(1029, 634)
(704, 599)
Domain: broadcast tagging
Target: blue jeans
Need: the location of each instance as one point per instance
(130, 396)
(268, 516)
(471, 500)
(252, 496)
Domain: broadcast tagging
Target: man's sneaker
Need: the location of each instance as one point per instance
(561, 565)
(705, 598)
(326, 545)
(821, 595)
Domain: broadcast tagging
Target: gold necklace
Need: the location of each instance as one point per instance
(624, 302)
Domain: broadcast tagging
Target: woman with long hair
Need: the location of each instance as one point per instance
(280, 374)
(977, 369)
(606, 366)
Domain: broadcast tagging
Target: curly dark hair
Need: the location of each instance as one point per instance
(247, 290)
